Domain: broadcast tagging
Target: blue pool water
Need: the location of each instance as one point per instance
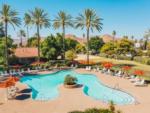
(45, 87)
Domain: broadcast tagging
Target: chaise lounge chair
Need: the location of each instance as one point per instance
(136, 79)
(119, 74)
(140, 83)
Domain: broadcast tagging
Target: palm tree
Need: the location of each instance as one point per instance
(90, 21)
(21, 35)
(114, 34)
(63, 20)
(2, 34)
(8, 16)
(40, 19)
(146, 36)
(132, 37)
(27, 20)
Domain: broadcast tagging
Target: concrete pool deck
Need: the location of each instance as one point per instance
(75, 99)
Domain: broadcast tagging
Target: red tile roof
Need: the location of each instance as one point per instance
(26, 52)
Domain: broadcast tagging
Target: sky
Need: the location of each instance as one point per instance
(126, 17)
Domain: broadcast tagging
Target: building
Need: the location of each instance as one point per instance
(26, 55)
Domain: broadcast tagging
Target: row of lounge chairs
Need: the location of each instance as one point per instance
(20, 71)
(137, 81)
(28, 70)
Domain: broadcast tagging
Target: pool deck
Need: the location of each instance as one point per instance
(74, 99)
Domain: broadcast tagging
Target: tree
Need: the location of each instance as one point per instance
(63, 20)
(32, 42)
(40, 19)
(2, 48)
(114, 34)
(2, 34)
(70, 44)
(80, 48)
(27, 20)
(125, 46)
(95, 43)
(21, 35)
(132, 37)
(90, 21)
(70, 55)
(108, 48)
(52, 47)
(146, 37)
(8, 16)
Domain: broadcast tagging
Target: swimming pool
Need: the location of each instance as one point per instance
(45, 87)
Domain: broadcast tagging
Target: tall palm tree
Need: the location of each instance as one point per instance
(90, 21)
(40, 19)
(114, 34)
(27, 20)
(2, 34)
(8, 16)
(146, 36)
(21, 35)
(63, 20)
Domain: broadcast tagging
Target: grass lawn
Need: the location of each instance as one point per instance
(134, 64)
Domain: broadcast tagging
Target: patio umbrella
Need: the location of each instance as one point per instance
(8, 83)
(139, 72)
(107, 65)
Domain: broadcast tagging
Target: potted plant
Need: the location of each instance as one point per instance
(70, 81)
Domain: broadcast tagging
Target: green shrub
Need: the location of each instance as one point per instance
(76, 112)
(70, 80)
(148, 62)
(93, 110)
(111, 109)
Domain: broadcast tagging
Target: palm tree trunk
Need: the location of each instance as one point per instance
(6, 46)
(38, 38)
(27, 32)
(63, 42)
(88, 46)
(113, 38)
(21, 41)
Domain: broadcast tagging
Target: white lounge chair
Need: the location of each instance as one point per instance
(97, 69)
(1, 73)
(72, 66)
(130, 77)
(28, 70)
(13, 72)
(88, 68)
(104, 70)
(22, 71)
(140, 83)
(108, 71)
(5, 73)
(119, 74)
(76, 65)
(10, 72)
(18, 71)
(136, 79)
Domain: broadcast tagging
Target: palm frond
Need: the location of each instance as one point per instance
(62, 19)
(10, 16)
(90, 20)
